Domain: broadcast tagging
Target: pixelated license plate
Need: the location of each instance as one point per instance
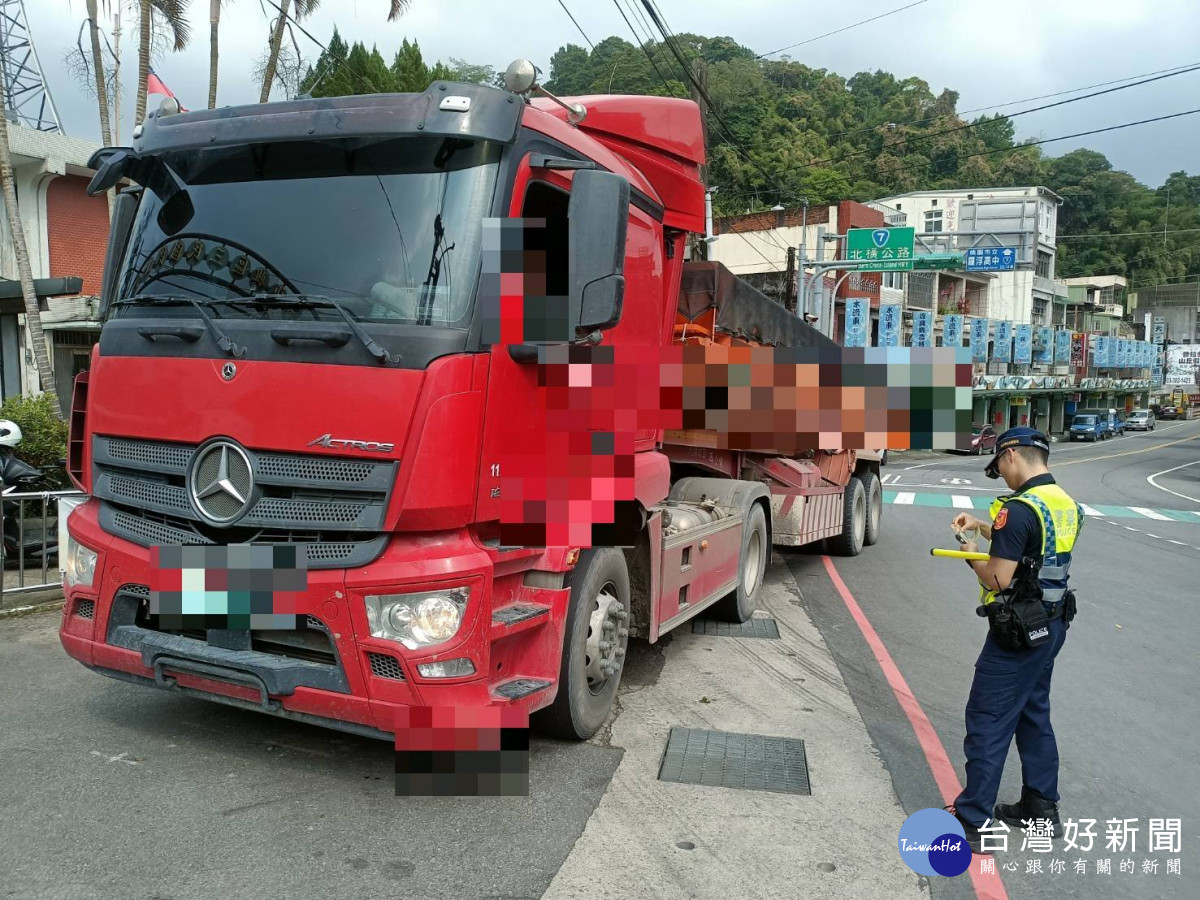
(237, 587)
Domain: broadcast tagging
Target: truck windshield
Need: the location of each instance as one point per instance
(1085, 420)
(391, 229)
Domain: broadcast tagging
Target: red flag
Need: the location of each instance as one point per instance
(154, 85)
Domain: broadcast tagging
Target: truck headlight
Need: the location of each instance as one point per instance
(81, 564)
(417, 620)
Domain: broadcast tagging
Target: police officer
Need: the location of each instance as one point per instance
(1025, 597)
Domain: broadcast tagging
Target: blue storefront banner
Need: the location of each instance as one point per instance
(889, 324)
(1062, 347)
(1023, 348)
(858, 322)
(1043, 345)
(1103, 349)
(952, 327)
(979, 340)
(1003, 349)
(922, 335)
(1122, 354)
(1113, 347)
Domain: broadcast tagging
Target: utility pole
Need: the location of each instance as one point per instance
(789, 287)
(699, 81)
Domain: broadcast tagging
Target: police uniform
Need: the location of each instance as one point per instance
(1010, 694)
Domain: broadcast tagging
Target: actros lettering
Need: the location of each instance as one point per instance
(328, 440)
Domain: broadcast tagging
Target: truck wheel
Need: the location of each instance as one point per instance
(854, 520)
(595, 638)
(874, 508)
(739, 605)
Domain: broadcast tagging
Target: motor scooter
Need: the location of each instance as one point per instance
(30, 529)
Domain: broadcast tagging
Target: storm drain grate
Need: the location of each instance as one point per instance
(756, 628)
(753, 762)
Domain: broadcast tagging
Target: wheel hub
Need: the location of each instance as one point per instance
(606, 639)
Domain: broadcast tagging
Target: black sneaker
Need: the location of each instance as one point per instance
(974, 838)
(1031, 806)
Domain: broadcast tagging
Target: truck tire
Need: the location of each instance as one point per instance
(874, 508)
(740, 604)
(854, 520)
(598, 610)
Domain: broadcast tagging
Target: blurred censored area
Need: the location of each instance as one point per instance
(448, 751)
(238, 587)
(734, 371)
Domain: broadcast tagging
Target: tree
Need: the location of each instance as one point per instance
(99, 68)
(304, 8)
(214, 27)
(168, 14)
(33, 315)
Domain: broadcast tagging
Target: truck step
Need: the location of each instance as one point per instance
(520, 687)
(518, 612)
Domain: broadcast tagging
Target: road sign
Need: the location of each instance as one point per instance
(881, 249)
(989, 259)
(943, 261)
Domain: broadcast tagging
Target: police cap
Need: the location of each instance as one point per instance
(1016, 437)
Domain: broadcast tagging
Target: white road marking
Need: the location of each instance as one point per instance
(905, 498)
(1088, 511)
(120, 757)
(956, 481)
(1154, 483)
(922, 465)
(1180, 543)
(1155, 536)
(961, 502)
(1127, 528)
(1151, 514)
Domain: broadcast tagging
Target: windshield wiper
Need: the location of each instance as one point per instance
(314, 301)
(223, 340)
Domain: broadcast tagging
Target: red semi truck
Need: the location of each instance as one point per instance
(292, 355)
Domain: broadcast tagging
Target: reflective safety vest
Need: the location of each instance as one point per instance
(1062, 519)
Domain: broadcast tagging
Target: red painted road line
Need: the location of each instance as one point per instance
(987, 887)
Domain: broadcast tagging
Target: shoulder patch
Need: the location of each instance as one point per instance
(1001, 519)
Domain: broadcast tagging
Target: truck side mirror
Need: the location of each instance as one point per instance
(599, 218)
(119, 229)
(110, 164)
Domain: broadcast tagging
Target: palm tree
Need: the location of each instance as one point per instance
(173, 14)
(303, 8)
(99, 69)
(214, 26)
(33, 315)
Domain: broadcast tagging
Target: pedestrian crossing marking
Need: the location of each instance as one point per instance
(962, 501)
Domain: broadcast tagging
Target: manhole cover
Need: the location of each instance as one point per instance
(754, 762)
(756, 628)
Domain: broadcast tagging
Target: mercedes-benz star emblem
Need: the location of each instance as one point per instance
(228, 371)
(221, 482)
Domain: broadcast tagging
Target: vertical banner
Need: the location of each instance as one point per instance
(979, 340)
(1079, 350)
(858, 322)
(1023, 350)
(952, 327)
(1003, 350)
(1101, 354)
(1122, 354)
(922, 328)
(889, 324)
(1113, 346)
(1043, 345)
(1062, 347)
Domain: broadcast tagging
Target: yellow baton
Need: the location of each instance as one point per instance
(957, 554)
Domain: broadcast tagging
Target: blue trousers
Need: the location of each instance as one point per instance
(1010, 695)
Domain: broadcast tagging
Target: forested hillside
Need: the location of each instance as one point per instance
(779, 130)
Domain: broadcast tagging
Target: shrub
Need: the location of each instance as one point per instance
(44, 436)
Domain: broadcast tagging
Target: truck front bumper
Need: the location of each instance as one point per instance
(331, 671)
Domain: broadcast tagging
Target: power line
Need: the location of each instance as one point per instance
(891, 12)
(576, 24)
(965, 112)
(1080, 237)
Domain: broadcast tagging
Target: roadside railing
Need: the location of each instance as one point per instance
(34, 528)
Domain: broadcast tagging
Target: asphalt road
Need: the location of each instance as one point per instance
(1125, 707)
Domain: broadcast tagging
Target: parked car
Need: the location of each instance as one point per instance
(983, 439)
(1168, 412)
(1089, 427)
(1140, 420)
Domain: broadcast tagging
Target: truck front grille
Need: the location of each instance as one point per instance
(336, 506)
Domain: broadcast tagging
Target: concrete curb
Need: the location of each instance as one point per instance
(33, 609)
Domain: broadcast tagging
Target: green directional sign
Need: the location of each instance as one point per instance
(881, 249)
(952, 261)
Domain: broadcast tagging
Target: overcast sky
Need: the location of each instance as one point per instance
(991, 52)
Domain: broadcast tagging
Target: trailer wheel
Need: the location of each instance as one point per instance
(595, 638)
(874, 508)
(740, 604)
(854, 520)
